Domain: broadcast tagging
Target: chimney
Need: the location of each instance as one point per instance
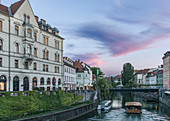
(43, 21)
(37, 18)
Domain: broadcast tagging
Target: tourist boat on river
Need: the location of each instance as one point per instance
(133, 107)
(105, 105)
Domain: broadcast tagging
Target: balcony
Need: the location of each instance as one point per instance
(28, 57)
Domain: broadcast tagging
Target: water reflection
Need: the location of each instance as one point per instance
(150, 111)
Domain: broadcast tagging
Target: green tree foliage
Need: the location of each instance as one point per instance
(94, 70)
(14, 107)
(127, 73)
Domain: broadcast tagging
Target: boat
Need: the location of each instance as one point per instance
(105, 105)
(133, 107)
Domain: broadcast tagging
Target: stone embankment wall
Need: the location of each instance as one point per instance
(65, 115)
(165, 99)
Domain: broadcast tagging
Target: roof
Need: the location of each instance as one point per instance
(14, 7)
(68, 59)
(4, 9)
(144, 71)
(133, 104)
(78, 66)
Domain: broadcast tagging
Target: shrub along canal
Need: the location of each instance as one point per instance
(150, 111)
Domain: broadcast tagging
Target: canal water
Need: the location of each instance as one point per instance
(150, 111)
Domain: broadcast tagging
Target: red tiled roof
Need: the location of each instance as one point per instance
(142, 71)
(77, 64)
(14, 7)
(4, 9)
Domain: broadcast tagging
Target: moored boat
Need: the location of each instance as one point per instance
(105, 105)
(133, 107)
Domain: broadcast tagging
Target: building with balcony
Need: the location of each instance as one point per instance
(31, 51)
(69, 74)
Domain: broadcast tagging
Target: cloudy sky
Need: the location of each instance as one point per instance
(109, 33)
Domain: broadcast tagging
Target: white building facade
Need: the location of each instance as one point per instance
(34, 56)
(69, 75)
(83, 75)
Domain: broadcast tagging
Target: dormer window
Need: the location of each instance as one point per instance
(29, 33)
(50, 30)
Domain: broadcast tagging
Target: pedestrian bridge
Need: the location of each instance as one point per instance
(133, 90)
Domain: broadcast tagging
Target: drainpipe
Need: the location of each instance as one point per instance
(9, 34)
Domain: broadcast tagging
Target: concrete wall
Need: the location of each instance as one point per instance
(65, 115)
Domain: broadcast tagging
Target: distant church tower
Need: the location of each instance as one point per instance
(166, 70)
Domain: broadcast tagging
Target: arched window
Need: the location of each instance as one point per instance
(29, 33)
(3, 83)
(42, 81)
(26, 84)
(48, 81)
(34, 82)
(17, 48)
(16, 83)
(1, 44)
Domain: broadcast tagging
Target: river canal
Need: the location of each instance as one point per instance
(150, 111)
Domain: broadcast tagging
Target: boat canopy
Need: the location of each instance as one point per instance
(133, 104)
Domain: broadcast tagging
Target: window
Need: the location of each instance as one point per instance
(16, 30)
(1, 44)
(48, 81)
(44, 40)
(25, 18)
(16, 63)
(35, 52)
(55, 69)
(0, 62)
(26, 65)
(29, 33)
(35, 66)
(79, 75)
(29, 49)
(58, 58)
(17, 48)
(43, 54)
(28, 19)
(42, 81)
(47, 54)
(43, 67)
(50, 30)
(57, 44)
(58, 70)
(46, 68)
(0, 25)
(35, 36)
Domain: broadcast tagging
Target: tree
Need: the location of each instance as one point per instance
(94, 70)
(127, 73)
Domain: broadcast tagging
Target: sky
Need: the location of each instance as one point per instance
(109, 33)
